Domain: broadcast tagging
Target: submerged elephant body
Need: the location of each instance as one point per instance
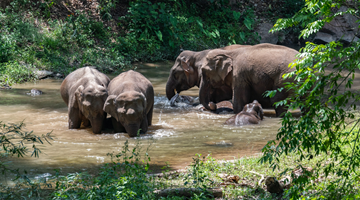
(84, 92)
(130, 102)
(249, 71)
(186, 74)
(251, 114)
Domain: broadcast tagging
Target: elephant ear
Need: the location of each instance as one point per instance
(77, 97)
(109, 106)
(224, 65)
(185, 64)
(144, 103)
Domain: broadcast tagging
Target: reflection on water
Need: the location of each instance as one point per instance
(177, 133)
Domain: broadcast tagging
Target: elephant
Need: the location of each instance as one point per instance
(130, 103)
(249, 71)
(84, 92)
(185, 74)
(251, 114)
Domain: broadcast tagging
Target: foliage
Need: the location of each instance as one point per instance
(150, 31)
(13, 72)
(323, 88)
(27, 41)
(124, 178)
(169, 26)
(14, 142)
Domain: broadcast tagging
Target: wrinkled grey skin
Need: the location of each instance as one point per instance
(130, 102)
(251, 114)
(249, 71)
(186, 74)
(84, 92)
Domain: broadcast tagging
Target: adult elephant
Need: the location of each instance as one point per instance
(84, 92)
(186, 74)
(130, 102)
(249, 71)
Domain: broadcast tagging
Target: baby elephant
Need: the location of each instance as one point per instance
(252, 113)
(130, 103)
(84, 92)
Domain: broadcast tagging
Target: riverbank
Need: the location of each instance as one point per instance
(125, 177)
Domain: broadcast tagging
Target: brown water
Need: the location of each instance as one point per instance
(177, 134)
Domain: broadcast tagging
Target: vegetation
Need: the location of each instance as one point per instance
(32, 36)
(325, 75)
(14, 141)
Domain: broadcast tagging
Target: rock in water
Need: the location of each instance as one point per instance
(35, 92)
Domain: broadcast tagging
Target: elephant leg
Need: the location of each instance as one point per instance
(118, 127)
(149, 115)
(144, 125)
(279, 96)
(75, 118)
(241, 96)
(86, 122)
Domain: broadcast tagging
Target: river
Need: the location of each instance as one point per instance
(177, 133)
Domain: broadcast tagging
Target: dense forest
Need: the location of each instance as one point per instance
(314, 156)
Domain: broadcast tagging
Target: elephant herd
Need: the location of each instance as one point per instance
(241, 73)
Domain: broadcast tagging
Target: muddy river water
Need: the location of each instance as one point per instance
(177, 133)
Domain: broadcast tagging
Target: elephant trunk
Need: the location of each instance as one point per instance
(132, 129)
(204, 95)
(170, 87)
(97, 124)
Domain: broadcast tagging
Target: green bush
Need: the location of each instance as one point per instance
(324, 75)
(14, 141)
(13, 72)
(159, 30)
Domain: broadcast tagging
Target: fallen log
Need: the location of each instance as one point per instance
(188, 192)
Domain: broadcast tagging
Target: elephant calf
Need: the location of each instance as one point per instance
(84, 92)
(130, 102)
(251, 114)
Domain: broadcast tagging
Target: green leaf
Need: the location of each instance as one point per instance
(248, 23)
(159, 35)
(236, 15)
(242, 36)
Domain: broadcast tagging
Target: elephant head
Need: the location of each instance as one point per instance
(129, 109)
(90, 101)
(255, 109)
(184, 73)
(216, 73)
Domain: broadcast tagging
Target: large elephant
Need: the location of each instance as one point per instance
(249, 71)
(251, 114)
(84, 92)
(130, 102)
(186, 74)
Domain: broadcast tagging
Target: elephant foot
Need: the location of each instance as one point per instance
(212, 106)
